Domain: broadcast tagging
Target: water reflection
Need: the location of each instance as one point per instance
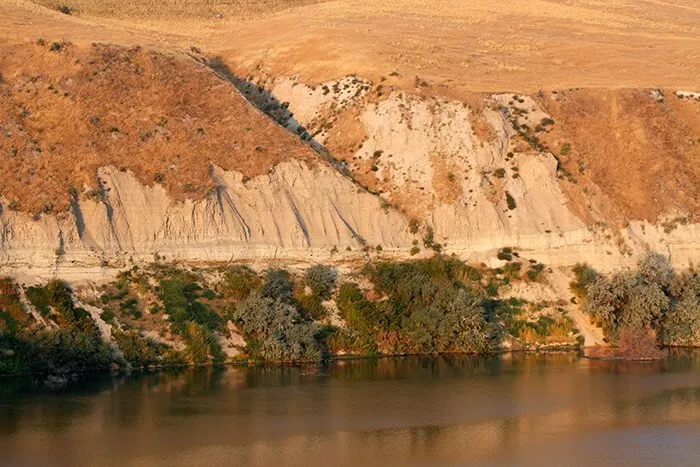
(495, 409)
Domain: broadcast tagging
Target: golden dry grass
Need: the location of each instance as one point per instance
(458, 47)
(642, 154)
(446, 179)
(65, 113)
(174, 10)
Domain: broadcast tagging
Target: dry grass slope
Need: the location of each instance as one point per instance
(170, 10)
(65, 111)
(641, 152)
(457, 47)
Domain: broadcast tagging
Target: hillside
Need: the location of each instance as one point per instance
(176, 163)
(113, 154)
(67, 111)
(460, 47)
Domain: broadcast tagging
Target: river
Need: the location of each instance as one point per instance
(511, 409)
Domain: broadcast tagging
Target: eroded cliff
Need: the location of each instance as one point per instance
(116, 156)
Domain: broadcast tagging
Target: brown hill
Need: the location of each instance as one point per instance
(67, 110)
(462, 46)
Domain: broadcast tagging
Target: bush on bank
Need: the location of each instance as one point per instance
(652, 296)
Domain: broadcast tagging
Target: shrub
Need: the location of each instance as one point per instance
(510, 201)
(278, 285)
(651, 297)
(428, 307)
(61, 352)
(453, 322)
(130, 306)
(239, 282)
(634, 344)
(509, 311)
(180, 300)
(512, 269)
(276, 331)
(107, 316)
(356, 310)
(321, 280)
(682, 323)
(543, 326)
(492, 289)
(500, 173)
(201, 343)
(58, 294)
(413, 226)
(429, 240)
(12, 314)
(534, 273)
(312, 306)
(505, 254)
(138, 351)
(565, 149)
(471, 273)
(585, 276)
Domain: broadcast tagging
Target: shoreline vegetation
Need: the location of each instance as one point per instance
(633, 345)
(642, 309)
(166, 316)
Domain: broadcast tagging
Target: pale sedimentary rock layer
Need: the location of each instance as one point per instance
(430, 170)
(306, 214)
(295, 212)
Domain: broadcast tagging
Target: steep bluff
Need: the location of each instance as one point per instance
(295, 212)
(178, 164)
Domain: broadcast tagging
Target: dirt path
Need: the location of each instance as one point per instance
(593, 335)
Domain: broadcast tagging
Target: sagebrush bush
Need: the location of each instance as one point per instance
(276, 331)
(651, 297)
(510, 201)
(278, 285)
(321, 280)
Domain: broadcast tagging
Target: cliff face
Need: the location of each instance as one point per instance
(300, 213)
(393, 169)
(295, 212)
